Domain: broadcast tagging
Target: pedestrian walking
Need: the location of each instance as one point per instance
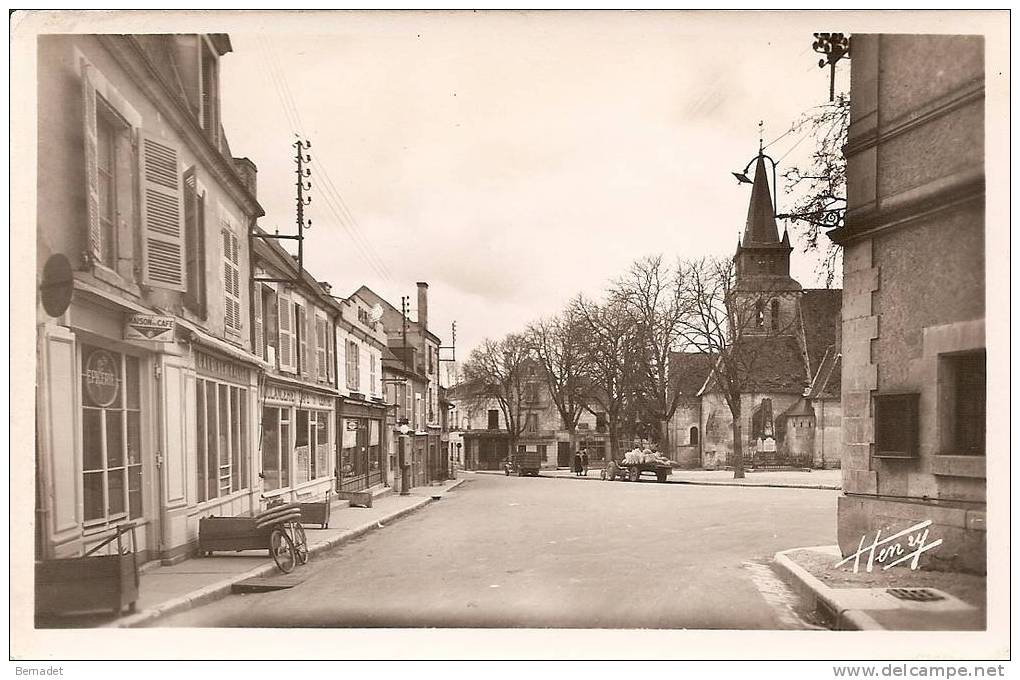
(584, 461)
(578, 464)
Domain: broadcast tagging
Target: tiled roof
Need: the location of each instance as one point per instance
(827, 380)
(769, 364)
(689, 370)
(820, 308)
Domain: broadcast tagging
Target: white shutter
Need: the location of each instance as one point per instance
(231, 281)
(320, 348)
(285, 314)
(162, 210)
(259, 340)
(93, 232)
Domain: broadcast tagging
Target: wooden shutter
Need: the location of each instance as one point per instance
(320, 348)
(94, 236)
(162, 209)
(285, 313)
(330, 339)
(301, 328)
(258, 339)
(231, 281)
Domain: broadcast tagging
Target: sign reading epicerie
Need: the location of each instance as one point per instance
(149, 327)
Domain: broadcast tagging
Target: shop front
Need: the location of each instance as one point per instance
(97, 411)
(297, 440)
(362, 456)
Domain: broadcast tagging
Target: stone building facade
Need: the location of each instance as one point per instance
(913, 383)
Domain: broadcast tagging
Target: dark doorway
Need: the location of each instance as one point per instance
(562, 454)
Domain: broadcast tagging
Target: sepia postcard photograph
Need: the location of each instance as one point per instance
(511, 334)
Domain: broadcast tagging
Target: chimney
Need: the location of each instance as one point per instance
(248, 173)
(423, 305)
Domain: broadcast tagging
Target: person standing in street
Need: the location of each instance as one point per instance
(578, 463)
(584, 461)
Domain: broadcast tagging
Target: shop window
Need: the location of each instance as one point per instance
(962, 403)
(222, 423)
(275, 447)
(302, 451)
(895, 425)
(111, 436)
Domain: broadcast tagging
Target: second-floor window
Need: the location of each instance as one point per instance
(320, 348)
(372, 374)
(493, 419)
(353, 360)
(287, 336)
(231, 282)
(301, 326)
(531, 424)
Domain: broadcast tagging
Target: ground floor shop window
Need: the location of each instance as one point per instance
(275, 447)
(311, 445)
(361, 454)
(111, 436)
(221, 413)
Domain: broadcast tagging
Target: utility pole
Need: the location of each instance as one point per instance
(303, 185)
(403, 327)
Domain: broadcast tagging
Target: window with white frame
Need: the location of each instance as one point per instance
(275, 447)
(111, 436)
(221, 414)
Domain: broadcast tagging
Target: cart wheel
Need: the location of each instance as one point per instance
(604, 475)
(634, 474)
(520, 473)
(300, 543)
(282, 550)
(506, 471)
(660, 477)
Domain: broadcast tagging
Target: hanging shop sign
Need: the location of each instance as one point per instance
(101, 378)
(149, 327)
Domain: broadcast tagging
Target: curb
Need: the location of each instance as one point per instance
(822, 595)
(818, 487)
(220, 589)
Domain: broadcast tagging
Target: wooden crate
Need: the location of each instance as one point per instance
(316, 512)
(80, 584)
(357, 499)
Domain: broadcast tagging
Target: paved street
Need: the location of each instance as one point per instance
(523, 552)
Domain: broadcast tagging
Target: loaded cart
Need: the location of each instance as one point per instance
(635, 464)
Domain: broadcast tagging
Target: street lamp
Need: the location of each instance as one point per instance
(827, 217)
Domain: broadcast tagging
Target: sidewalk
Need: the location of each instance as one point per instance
(862, 601)
(789, 479)
(172, 589)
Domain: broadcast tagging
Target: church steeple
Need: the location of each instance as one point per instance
(762, 259)
(760, 228)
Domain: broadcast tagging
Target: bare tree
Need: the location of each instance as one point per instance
(654, 293)
(558, 344)
(610, 359)
(730, 327)
(497, 371)
(819, 184)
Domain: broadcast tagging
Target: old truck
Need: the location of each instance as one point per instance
(523, 463)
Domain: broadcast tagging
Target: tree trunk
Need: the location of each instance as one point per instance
(664, 446)
(614, 442)
(738, 450)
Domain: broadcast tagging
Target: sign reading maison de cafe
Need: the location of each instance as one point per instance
(150, 327)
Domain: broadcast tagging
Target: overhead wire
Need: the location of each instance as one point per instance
(333, 198)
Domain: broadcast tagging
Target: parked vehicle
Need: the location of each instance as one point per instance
(632, 467)
(523, 463)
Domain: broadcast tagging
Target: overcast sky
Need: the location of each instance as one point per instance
(512, 160)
